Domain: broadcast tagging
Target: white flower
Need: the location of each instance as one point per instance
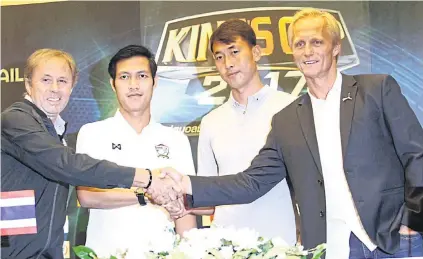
(227, 252)
(245, 238)
(164, 242)
(278, 241)
(212, 243)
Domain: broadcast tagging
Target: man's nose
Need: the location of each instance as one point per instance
(229, 64)
(308, 51)
(134, 83)
(54, 86)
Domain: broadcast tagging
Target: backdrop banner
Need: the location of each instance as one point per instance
(377, 37)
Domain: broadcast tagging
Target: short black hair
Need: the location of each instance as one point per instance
(129, 52)
(228, 31)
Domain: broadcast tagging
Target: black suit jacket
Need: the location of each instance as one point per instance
(382, 145)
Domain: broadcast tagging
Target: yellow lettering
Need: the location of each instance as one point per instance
(17, 78)
(192, 48)
(173, 45)
(12, 74)
(283, 22)
(263, 34)
(4, 76)
(206, 32)
(219, 23)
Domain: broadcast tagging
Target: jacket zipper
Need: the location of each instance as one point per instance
(51, 223)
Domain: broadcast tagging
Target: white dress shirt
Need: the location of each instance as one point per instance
(231, 136)
(157, 146)
(342, 217)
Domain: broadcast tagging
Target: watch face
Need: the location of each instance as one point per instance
(139, 191)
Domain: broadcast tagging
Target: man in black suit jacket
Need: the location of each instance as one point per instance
(350, 147)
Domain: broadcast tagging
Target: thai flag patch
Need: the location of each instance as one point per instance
(18, 213)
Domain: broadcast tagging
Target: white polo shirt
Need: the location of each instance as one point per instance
(231, 136)
(115, 140)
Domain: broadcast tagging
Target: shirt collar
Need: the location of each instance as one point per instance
(258, 97)
(59, 124)
(333, 92)
(123, 123)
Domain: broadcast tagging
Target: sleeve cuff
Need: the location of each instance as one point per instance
(189, 199)
(126, 177)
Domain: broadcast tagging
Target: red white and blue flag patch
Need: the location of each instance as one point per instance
(18, 213)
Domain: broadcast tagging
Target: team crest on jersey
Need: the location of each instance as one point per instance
(162, 151)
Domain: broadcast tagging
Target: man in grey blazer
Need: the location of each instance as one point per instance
(350, 147)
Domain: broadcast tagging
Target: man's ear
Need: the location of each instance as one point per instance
(336, 50)
(112, 84)
(28, 87)
(256, 53)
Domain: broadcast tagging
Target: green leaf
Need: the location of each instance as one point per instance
(226, 242)
(113, 257)
(84, 252)
(266, 246)
(244, 253)
(318, 252)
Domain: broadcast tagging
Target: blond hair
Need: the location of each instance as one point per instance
(45, 54)
(330, 23)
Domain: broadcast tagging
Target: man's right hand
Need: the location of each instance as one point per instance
(164, 190)
(183, 180)
(167, 189)
(161, 189)
(167, 185)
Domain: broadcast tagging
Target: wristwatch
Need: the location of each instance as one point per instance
(139, 192)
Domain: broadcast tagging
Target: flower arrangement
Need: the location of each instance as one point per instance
(212, 243)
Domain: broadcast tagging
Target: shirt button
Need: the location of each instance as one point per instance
(322, 214)
(320, 182)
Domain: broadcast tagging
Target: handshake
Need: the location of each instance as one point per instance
(167, 189)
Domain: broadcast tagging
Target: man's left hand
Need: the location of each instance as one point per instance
(176, 208)
(406, 231)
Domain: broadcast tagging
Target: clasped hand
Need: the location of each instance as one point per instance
(167, 190)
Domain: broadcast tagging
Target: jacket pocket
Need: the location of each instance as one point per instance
(393, 190)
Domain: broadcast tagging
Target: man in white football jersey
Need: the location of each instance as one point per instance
(118, 220)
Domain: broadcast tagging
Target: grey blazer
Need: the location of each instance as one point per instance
(382, 144)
